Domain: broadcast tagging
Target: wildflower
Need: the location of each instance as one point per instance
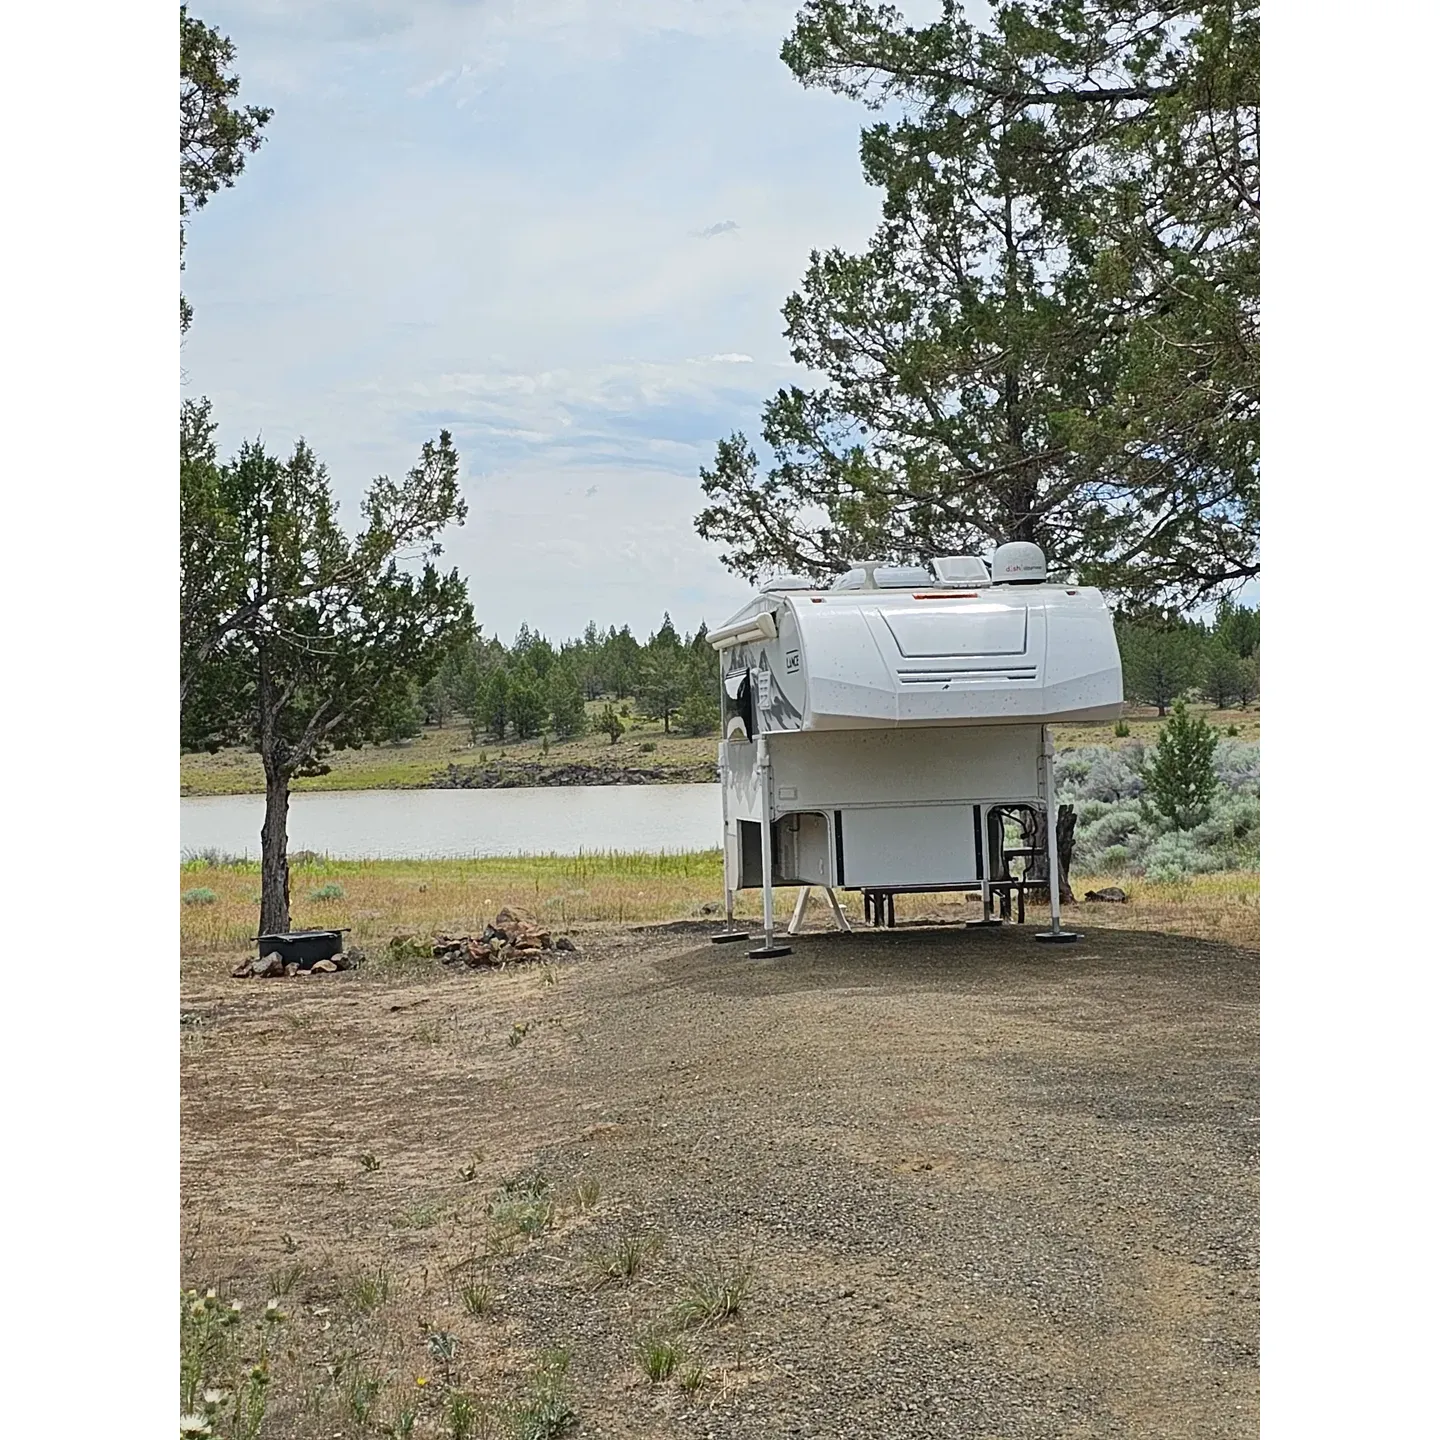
(214, 1397)
(421, 1380)
(194, 1425)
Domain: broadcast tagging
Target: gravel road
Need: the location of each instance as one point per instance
(981, 1187)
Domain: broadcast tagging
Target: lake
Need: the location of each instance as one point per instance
(416, 824)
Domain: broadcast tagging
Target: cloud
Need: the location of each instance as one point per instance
(465, 215)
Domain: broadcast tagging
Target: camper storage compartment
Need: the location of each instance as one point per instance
(909, 845)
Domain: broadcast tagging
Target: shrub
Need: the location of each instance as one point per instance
(1119, 836)
(199, 896)
(609, 723)
(1100, 773)
(1122, 728)
(329, 891)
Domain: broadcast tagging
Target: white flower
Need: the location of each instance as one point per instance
(194, 1425)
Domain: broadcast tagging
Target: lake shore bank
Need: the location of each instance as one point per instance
(446, 758)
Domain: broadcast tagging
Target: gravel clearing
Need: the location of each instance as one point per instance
(980, 1187)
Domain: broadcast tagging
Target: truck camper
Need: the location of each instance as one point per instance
(878, 733)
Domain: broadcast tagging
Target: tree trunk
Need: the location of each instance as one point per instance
(1032, 830)
(274, 861)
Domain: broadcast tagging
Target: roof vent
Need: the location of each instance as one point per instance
(1018, 563)
(787, 582)
(965, 572)
(876, 575)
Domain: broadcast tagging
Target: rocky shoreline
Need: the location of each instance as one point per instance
(521, 774)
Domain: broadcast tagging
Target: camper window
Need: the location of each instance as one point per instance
(739, 707)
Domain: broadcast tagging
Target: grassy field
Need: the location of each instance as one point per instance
(378, 899)
(413, 764)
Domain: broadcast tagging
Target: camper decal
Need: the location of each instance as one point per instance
(792, 662)
(775, 703)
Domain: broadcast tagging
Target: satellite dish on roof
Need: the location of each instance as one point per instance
(1018, 563)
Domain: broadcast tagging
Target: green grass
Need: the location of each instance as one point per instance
(368, 1291)
(623, 1260)
(711, 1295)
(660, 1357)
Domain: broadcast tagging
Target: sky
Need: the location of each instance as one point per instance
(562, 230)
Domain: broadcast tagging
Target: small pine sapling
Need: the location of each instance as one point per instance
(1180, 777)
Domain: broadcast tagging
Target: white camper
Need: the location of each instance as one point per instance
(878, 733)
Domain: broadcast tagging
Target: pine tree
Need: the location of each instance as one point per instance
(1180, 776)
(493, 708)
(662, 683)
(1159, 659)
(1221, 679)
(527, 708)
(699, 712)
(567, 702)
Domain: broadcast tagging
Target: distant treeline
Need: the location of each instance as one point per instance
(535, 687)
(1167, 657)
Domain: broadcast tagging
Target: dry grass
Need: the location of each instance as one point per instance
(383, 898)
(1145, 723)
(1224, 907)
(411, 764)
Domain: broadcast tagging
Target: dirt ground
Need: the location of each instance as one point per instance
(976, 1186)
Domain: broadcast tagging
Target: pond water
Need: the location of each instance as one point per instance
(415, 824)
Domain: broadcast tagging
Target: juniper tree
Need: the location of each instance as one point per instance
(215, 135)
(309, 640)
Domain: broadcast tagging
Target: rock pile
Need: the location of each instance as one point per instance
(513, 936)
(274, 967)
